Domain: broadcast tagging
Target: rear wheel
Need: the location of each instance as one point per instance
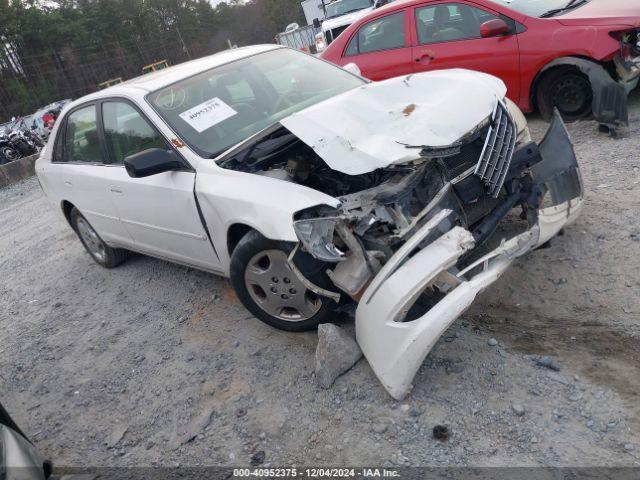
(568, 90)
(267, 286)
(10, 154)
(102, 253)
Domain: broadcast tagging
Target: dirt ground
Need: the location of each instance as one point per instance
(109, 367)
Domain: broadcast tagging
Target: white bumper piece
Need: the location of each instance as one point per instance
(395, 348)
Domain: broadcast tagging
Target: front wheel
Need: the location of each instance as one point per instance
(568, 90)
(102, 253)
(270, 290)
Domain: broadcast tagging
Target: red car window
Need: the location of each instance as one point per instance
(384, 33)
(448, 22)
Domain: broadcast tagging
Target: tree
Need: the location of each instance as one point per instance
(60, 49)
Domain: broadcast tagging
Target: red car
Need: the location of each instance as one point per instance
(582, 56)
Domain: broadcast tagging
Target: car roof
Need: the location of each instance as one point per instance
(156, 80)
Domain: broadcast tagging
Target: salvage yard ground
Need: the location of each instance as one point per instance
(157, 364)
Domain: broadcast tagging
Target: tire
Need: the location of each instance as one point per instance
(270, 290)
(567, 89)
(11, 154)
(102, 253)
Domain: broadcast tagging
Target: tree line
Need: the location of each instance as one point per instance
(55, 49)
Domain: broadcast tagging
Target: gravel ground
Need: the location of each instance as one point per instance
(112, 367)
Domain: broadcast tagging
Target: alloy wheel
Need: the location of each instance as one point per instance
(276, 288)
(91, 239)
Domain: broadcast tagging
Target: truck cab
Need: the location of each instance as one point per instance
(339, 15)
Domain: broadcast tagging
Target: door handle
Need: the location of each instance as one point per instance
(68, 183)
(426, 56)
(115, 190)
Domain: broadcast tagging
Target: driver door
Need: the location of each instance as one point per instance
(447, 35)
(160, 211)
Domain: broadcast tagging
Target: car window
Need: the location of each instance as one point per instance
(450, 21)
(82, 143)
(127, 132)
(383, 33)
(220, 107)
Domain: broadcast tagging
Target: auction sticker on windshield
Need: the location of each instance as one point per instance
(207, 114)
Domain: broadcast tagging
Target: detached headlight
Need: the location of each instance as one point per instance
(321, 43)
(524, 135)
(316, 235)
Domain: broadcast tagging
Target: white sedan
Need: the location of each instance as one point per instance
(314, 190)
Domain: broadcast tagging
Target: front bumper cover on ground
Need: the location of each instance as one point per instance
(396, 349)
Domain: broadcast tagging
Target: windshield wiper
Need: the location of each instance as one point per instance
(569, 6)
(352, 10)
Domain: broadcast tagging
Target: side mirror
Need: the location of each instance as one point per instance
(316, 23)
(494, 28)
(151, 162)
(353, 68)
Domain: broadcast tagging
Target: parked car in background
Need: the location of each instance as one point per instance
(581, 56)
(339, 15)
(314, 189)
(40, 121)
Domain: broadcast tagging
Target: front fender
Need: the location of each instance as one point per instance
(265, 204)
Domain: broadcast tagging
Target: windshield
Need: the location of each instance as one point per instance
(343, 7)
(219, 108)
(534, 8)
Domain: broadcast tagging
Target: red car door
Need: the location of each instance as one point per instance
(382, 47)
(447, 34)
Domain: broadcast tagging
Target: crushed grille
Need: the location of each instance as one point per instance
(497, 151)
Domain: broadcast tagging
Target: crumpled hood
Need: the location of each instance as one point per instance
(342, 20)
(370, 127)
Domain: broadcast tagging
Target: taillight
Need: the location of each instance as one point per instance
(629, 42)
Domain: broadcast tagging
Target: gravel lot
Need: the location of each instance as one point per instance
(110, 368)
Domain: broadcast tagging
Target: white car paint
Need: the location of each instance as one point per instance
(371, 126)
(356, 132)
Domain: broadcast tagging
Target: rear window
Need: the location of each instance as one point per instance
(81, 140)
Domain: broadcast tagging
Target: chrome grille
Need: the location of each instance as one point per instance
(498, 150)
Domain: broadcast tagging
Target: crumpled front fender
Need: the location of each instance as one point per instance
(394, 348)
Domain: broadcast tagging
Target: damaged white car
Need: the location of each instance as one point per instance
(316, 190)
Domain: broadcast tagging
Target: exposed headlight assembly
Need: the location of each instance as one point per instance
(524, 135)
(316, 236)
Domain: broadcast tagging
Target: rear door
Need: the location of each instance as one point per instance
(446, 34)
(159, 212)
(80, 174)
(381, 48)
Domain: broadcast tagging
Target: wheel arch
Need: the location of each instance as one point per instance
(573, 61)
(235, 232)
(66, 207)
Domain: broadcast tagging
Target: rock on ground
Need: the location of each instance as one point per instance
(336, 353)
